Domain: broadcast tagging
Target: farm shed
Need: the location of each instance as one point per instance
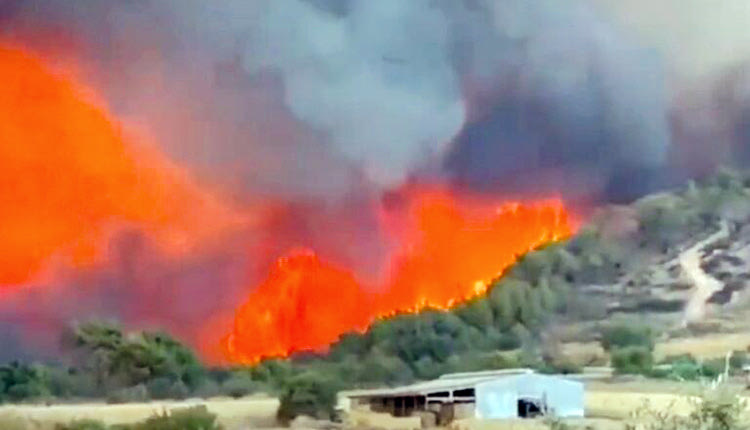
(517, 393)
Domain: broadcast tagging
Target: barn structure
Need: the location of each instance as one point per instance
(519, 393)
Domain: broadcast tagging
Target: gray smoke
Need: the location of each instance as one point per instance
(560, 101)
(296, 96)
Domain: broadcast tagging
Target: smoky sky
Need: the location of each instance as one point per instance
(301, 97)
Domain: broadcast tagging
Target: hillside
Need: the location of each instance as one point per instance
(663, 276)
(676, 259)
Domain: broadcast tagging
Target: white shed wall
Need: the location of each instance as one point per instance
(499, 398)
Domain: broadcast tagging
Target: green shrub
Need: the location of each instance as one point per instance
(308, 394)
(207, 389)
(713, 368)
(20, 382)
(240, 384)
(193, 418)
(738, 359)
(626, 335)
(82, 425)
(632, 360)
(563, 367)
(165, 388)
(159, 388)
(715, 410)
(686, 369)
(138, 393)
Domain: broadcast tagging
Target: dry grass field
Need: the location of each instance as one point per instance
(251, 412)
(708, 346)
(607, 404)
(703, 347)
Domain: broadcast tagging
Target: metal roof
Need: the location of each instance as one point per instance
(500, 372)
(459, 381)
(444, 383)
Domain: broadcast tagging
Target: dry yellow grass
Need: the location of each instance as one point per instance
(705, 347)
(606, 405)
(476, 424)
(233, 413)
(618, 405)
(709, 346)
(584, 352)
(364, 418)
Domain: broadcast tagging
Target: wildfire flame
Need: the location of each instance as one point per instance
(69, 175)
(449, 250)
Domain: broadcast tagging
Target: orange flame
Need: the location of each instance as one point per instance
(69, 176)
(449, 250)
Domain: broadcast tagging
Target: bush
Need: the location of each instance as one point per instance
(632, 360)
(20, 382)
(207, 389)
(138, 393)
(563, 367)
(239, 385)
(626, 335)
(164, 388)
(715, 410)
(308, 394)
(193, 418)
(738, 359)
(82, 425)
(687, 368)
(159, 388)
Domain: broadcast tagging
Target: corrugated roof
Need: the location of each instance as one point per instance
(445, 383)
(499, 372)
(459, 381)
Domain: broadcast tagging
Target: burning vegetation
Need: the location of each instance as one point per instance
(448, 250)
(79, 178)
(71, 176)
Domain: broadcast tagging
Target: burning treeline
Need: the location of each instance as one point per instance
(74, 179)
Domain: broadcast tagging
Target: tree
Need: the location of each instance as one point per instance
(632, 360)
(20, 382)
(308, 394)
(95, 345)
(624, 334)
(477, 313)
(152, 359)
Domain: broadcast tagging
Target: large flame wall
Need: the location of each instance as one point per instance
(71, 177)
(449, 248)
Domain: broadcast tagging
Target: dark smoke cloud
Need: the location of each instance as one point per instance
(294, 96)
(558, 100)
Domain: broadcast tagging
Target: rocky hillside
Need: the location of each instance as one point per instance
(684, 255)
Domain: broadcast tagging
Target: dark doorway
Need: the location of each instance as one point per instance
(529, 408)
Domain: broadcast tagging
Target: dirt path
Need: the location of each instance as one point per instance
(703, 284)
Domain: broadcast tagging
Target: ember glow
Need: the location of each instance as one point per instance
(449, 249)
(70, 176)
